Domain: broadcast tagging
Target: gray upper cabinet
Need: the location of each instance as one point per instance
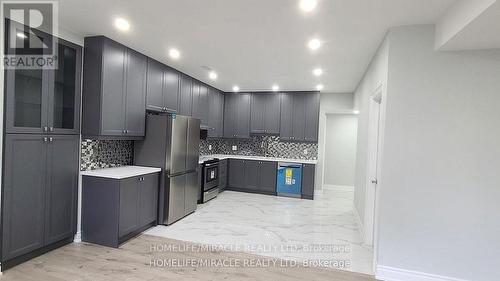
(200, 103)
(312, 117)
(195, 101)
(215, 113)
(40, 192)
(299, 117)
(265, 113)
(162, 88)
(171, 90)
(286, 116)
(46, 101)
(135, 113)
(114, 90)
(237, 115)
(154, 92)
(258, 109)
(203, 106)
(186, 96)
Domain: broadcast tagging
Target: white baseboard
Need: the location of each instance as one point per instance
(388, 273)
(78, 237)
(338, 187)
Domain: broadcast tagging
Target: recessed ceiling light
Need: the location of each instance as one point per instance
(21, 35)
(236, 89)
(356, 112)
(319, 87)
(122, 24)
(275, 88)
(314, 44)
(318, 72)
(174, 53)
(212, 75)
(308, 5)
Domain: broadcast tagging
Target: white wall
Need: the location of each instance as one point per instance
(329, 103)
(375, 77)
(440, 186)
(340, 149)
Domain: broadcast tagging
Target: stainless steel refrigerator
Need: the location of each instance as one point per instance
(172, 143)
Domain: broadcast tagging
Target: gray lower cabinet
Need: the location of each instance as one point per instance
(39, 193)
(115, 210)
(162, 88)
(267, 176)
(223, 175)
(299, 118)
(236, 174)
(308, 181)
(237, 115)
(252, 176)
(265, 113)
(114, 90)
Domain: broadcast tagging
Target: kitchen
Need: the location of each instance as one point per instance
(249, 140)
(155, 144)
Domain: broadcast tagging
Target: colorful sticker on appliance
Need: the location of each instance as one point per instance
(289, 180)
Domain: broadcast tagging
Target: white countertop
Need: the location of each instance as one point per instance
(258, 158)
(121, 172)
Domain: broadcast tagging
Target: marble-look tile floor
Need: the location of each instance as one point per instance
(323, 231)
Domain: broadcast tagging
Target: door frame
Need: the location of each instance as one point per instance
(376, 127)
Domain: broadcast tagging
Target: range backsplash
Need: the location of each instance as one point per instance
(97, 154)
(269, 146)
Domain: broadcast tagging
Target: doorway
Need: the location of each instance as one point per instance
(340, 151)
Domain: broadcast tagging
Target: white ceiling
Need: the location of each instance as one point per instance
(254, 43)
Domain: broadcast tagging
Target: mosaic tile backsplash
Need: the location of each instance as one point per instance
(97, 154)
(268, 146)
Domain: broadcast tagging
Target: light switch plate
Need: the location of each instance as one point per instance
(234, 148)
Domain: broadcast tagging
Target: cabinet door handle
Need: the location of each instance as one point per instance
(51, 129)
(45, 129)
(50, 139)
(45, 139)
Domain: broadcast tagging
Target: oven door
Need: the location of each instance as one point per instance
(210, 176)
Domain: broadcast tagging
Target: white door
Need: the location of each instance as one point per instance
(373, 167)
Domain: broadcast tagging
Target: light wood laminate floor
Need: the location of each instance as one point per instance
(136, 260)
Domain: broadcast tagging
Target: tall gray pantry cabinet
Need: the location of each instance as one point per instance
(40, 163)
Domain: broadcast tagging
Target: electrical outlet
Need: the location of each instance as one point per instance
(209, 147)
(234, 148)
(305, 151)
